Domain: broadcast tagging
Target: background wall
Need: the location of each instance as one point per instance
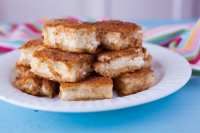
(30, 10)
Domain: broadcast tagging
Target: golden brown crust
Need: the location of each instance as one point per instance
(117, 26)
(133, 82)
(27, 50)
(32, 84)
(24, 71)
(95, 87)
(57, 55)
(94, 81)
(107, 25)
(138, 73)
(113, 34)
(61, 71)
(117, 35)
(19, 62)
(109, 55)
(32, 43)
(70, 24)
(77, 37)
(28, 85)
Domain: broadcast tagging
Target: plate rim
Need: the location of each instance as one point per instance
(116, 107)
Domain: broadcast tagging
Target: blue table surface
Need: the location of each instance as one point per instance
(179, 112)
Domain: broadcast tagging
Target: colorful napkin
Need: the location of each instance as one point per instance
(182, 38)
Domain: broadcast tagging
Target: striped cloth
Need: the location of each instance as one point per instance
(13, 36)
(184, 38)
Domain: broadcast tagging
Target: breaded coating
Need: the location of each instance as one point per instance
(115, 63)
(118, 35)
(130, 83)
(26, 51)
(94, 87)
(61, 66)
(73, 36)
(29, 83)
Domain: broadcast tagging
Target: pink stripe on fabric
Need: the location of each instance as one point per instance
(5, 49)
(33, 28)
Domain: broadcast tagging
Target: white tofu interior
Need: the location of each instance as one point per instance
(122, 62)
(72, 39)
(26, 55)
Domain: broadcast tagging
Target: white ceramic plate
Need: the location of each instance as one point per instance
(172, 72)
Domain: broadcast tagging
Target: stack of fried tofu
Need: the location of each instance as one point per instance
(85, 61)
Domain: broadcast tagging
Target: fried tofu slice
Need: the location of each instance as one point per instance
(94, 87)
(130, 83)
(31, 84)
(73, 36)
(118, 35)
(115, 63)
(27, 50)
(61, 66)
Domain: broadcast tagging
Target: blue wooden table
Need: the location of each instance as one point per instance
(177, 113)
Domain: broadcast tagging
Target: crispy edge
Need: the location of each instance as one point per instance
(117, 26)
(94, 81)
(31, 43)
(57, 55)
(142, 74)
(109, 55)
(23, 74)
(65, 23)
